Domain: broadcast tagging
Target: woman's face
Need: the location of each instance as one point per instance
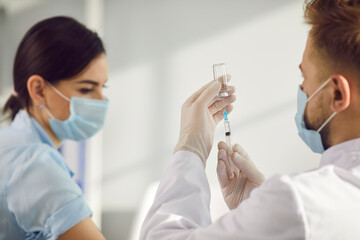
(88, 84)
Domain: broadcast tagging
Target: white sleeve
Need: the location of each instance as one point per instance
(181, 208)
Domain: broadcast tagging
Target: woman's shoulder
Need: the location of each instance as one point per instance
(40, 193)
(28, 160)
(12, 137)
(39, 168)
(28, 156)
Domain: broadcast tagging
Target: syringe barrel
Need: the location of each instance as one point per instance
(227, 128)
(228, 136)
(229, 145)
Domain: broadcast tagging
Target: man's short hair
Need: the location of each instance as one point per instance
(335, 32)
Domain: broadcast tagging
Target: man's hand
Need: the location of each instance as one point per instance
(200, 114)
(236, 186)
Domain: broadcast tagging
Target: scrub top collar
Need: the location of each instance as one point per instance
(24, 122)
(345, 155)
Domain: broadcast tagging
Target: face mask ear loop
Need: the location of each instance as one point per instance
(318, 90)
(47, 110)
(58, 92)
(326, 122)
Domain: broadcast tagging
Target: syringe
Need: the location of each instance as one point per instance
(228, 140)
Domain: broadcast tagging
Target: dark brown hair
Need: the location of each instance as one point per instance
(56, 48)
(335, 31)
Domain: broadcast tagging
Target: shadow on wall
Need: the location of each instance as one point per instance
(132, 26)
(141, 32)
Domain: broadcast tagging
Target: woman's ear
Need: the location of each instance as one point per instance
(36, 85)
(340, 93)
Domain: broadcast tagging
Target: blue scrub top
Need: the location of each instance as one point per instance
(38, 198)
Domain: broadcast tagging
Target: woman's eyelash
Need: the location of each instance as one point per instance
(85, 90)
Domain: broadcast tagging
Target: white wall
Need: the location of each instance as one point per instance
(161, 52)
(19, 18)
(2, 26)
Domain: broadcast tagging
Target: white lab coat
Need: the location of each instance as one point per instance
(320, 204)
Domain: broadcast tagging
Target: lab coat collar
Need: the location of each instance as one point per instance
(345, 155)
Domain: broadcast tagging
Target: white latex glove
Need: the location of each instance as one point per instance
(236, 186)
(200, 114)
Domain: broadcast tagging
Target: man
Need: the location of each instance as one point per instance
(320, 204)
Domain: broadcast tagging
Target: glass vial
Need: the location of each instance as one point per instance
(221, 75)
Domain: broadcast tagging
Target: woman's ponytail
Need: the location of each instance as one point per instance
(12, 105)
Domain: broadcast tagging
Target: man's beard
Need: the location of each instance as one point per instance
(320, 118)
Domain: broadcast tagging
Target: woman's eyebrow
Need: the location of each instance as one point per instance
(89, 82)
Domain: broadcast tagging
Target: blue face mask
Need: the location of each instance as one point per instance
(312, 138)
(86, 119)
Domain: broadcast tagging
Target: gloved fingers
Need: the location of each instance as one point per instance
(220, 114)
(239, 149)
(231, 91)
(208, 94)
(196, 94)
(221, 79)
(247, 168)
(220, 104)
(222, 145)
(221, 173)
(224, 170)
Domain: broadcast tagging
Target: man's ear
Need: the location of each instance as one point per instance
(340, 93)
(36, 85)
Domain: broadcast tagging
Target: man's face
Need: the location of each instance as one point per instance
(316, 111)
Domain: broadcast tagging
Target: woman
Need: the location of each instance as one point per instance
(59, 71)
